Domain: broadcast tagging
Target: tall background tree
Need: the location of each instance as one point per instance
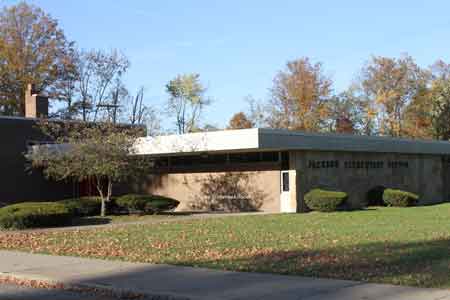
(418, 114)
(136, 112)
(391, 97)
(258, 112)
(100, 73)
(392, 84)
(186, 102)
(439, 94)
(299, 96)
(82, 85)
(33, 49)
(345, 113)
(97, 91)
(65, 89)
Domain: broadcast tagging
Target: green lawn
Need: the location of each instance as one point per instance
(408, 246)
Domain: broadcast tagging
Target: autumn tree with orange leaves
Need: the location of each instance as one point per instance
(299, 96)
(439, 94)
(33, 49)
(240, 121)
(392, 85)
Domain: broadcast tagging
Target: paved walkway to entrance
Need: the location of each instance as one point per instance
(196, 283)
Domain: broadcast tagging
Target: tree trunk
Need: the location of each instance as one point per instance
(102, 196)
(103, 208)
(109, 193)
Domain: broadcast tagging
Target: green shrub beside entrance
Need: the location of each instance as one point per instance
(325, 201)
(84, 206)
(33, 215)
(145, 203)
(399, 198)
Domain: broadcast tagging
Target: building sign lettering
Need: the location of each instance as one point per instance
(363, 164)
(323, 164)
(357, 164)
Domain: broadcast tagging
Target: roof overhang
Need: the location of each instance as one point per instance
(258, 139)
(200, 142)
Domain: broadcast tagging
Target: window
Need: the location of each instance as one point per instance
(196, 160)
(161, 162)
(285, 181)
(218, 159)
(285, 160)
(245, 157)
(270, 156)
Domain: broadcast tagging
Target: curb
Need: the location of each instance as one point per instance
(35, 281)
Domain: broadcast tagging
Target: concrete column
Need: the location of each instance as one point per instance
(293, 181)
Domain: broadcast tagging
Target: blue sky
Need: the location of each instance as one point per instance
(238, 46)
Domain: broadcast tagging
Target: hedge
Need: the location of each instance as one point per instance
(399, 198)
(84, 206)
(145, 203)
(325, 201)
(375, 196)
(33, 215)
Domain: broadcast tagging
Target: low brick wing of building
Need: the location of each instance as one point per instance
(278, 167)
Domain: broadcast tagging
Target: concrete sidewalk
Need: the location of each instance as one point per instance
(196, 283)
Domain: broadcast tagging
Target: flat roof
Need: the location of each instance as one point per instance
(263, 139)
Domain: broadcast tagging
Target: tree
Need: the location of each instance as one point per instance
(240, 121)
(440, 114)
(100, 151)
(33, 49)
(136, 112)
(97, 92)
(391, 84)
(100, 72)
(418, 115)
(440, 100)
(348, 113)
(138, 109)
(345, 125)
(299, 96)
(65, 89)
(186, 101)
(114, 104)
(257, 112)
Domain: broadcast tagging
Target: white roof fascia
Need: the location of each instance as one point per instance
(213, 141)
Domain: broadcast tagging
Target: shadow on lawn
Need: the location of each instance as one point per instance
(86, 221)
(419, 263)
(422, 263)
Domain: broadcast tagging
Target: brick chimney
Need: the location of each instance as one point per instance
(36, 106)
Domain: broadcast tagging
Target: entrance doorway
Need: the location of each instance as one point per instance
(285, 192)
